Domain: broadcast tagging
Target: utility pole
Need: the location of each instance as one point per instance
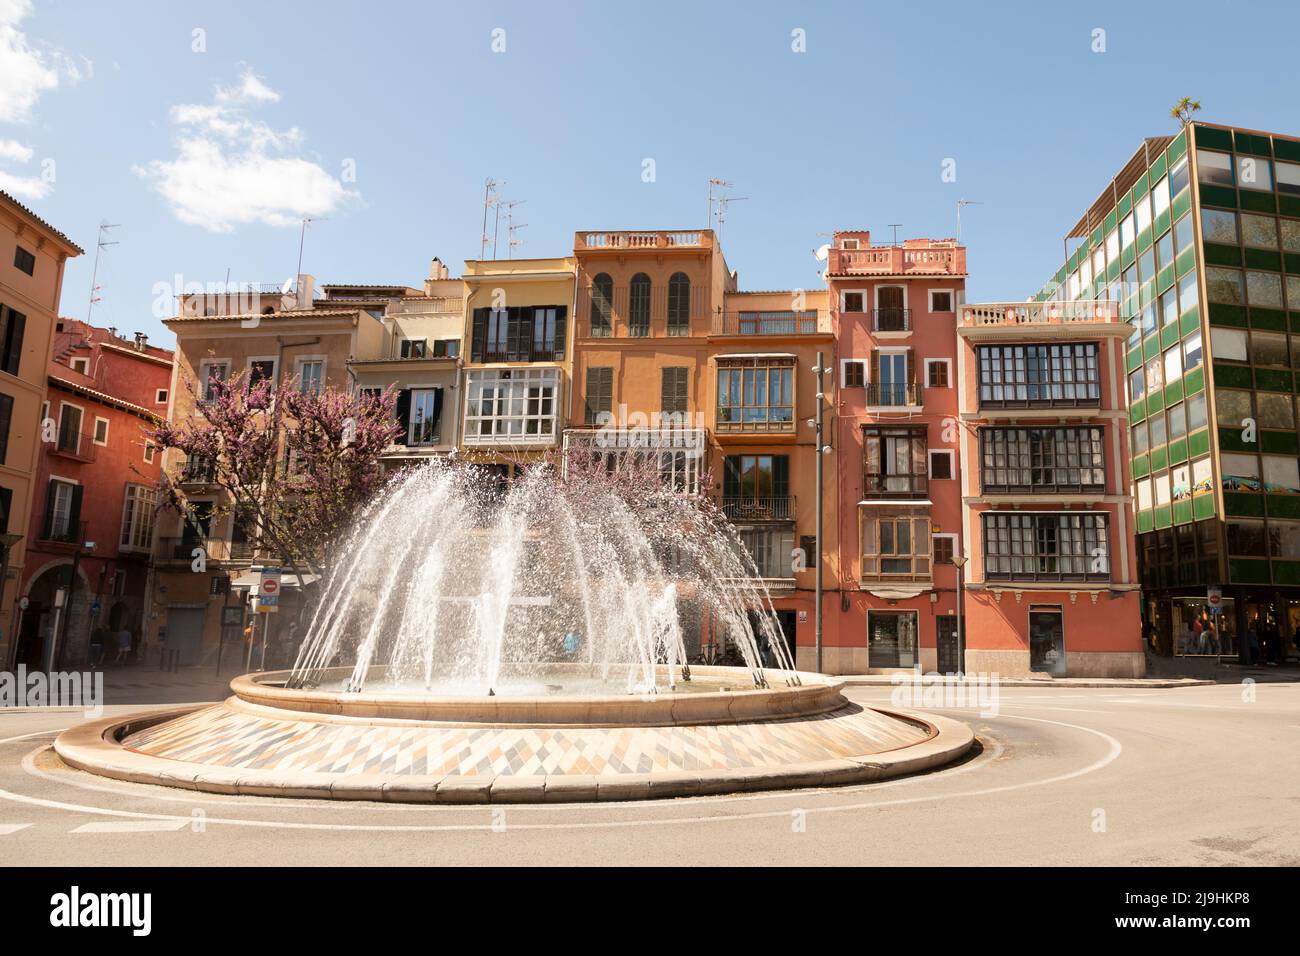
(94, 274)
(959, 559)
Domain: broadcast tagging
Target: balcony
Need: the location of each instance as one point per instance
(907, 395)
(539, 354)
(891, 320)
(894, 486)
(58, 529)
(77, 446)
(750, 508)
(767, 323)
(197, 471)
(694, 240)
(928, 258)
(1000, 320)
(180, 550)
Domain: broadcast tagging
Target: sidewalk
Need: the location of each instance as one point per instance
(1204, 675)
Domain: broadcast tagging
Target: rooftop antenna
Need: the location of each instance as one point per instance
(100, 245)
(895, 226)
(716, 184)
(491, 197)
(512, 227)
(722, 210)
(302, 238)
(960, 203)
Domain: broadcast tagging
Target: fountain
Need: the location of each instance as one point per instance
(550, 641)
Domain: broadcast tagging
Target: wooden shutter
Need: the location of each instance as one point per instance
(403, 410)
(6, 417)
(13, 344)
(47, 524)
(478, 334)
(911, 367)
(600, 392)
(437, 411)
(6, 502)
(780, 475)
(74, 515)
(673, 389)
(561, 323)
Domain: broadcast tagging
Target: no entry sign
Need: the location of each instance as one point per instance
(268, 590)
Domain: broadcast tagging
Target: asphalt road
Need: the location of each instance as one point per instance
(1195, 776)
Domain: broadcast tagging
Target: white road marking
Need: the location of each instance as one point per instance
(8, 828)
(1115, 748)
(133, 826)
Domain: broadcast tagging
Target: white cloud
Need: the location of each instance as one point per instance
(231, 169)
(14, 150)
(26, 72)
(24, 187)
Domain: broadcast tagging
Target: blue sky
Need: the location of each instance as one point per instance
(208, 159)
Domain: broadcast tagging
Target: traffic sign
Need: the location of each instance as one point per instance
(1214, 599)
(268, 591)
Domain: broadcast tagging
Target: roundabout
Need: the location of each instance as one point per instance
(725, 735)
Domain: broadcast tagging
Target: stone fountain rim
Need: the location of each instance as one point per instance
(816, 694)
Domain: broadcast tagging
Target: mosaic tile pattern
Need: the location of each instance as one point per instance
(222, 736)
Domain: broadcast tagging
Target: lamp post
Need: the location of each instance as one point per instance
(959, 561)
(818, 424)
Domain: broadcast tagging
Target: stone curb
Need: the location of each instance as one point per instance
(94, 748)
(887, 680)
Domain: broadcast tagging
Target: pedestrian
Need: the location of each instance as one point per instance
(97, 645)
(1252, 644)
(123, 645)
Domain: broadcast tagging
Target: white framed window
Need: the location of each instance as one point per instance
(264, 368)
(150, 450)
(944, 547)
(425, 416)
(853, 300)
(211, 370)
(160, 396)
(942, 300)
(119, 582)
(942, 464)
(848, 243)
(81, 365)
(938, 373)
(853, 373)
(309, 373)
(138, 509)
(59, 521)
(101, 431)
(512, 406)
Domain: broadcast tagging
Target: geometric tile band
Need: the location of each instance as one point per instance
(225, 737)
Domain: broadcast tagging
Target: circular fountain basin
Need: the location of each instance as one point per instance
(391, 742)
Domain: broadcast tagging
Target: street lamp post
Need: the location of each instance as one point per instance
(819, 426)
(959, 561)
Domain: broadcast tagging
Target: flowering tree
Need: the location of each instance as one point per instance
(293, 466)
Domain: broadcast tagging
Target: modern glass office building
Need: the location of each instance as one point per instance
(1198, 238)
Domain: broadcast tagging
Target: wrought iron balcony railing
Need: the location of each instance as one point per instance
(902, 395)
(756, 508)
(891, 320)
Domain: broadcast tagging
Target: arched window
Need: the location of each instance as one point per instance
(638, 311)
(679, 304)
(602, 305)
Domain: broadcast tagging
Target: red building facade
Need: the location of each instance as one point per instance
(91, 530)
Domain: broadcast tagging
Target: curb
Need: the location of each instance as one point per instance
(94, 748)
(941, 680)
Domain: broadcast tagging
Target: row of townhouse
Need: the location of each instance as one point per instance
(78, 477)
(974, 450)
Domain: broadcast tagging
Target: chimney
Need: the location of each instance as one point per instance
(140, 341)
(305, 290)
(112, 331)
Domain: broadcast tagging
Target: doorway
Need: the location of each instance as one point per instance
(891, 638)
(949, 657)
(1046, 640)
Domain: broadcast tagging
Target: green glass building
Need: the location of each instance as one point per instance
(1198, 238)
